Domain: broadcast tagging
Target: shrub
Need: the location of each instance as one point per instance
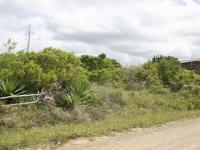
(107, 76)
(135, 78)
(191, 91)
(114, 100)
(161, 71)
(32, 116)
(10, 87)
(195, 90)
(177, 104)
(188, 77)
(37, 70)
(79, 114)
(158, 90)
(6, 123)
(167, 67)
(141, 77)
(93, 63)
(102, 70)
(194, 103)
(175, 86)
(78, 94)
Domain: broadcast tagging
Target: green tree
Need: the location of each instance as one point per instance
(102, 69)
(168, 67)
(95, 63)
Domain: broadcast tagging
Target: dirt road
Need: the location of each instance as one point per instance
(183, 135)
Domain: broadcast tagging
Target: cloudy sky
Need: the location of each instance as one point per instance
(131, 31)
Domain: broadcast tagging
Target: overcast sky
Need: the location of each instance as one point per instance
(131, 31)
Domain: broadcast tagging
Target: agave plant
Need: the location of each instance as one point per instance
(10, 87)
(79, 94)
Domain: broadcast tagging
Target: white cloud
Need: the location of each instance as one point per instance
(131, 31)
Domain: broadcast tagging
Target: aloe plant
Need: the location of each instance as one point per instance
(11, 87)
(79, 94)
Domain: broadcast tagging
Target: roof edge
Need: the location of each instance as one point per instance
(192, 60)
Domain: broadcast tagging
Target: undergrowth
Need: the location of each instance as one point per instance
(111, 110)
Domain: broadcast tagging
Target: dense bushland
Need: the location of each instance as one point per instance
(163, 72)
(37, 70)
(102, 69)
(89, 90)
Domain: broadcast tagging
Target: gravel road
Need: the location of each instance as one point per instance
(183, 135)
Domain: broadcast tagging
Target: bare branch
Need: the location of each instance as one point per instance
(28, 36)
(20, 104)
(46, 96)
(10, 45)
(18, 96)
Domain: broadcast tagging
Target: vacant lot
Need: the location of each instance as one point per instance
(89, 96)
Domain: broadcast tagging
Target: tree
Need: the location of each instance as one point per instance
(93, 63)
(102, 69)
(168, 68)
(89, 62)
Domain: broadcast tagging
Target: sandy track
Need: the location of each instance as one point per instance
(183, 135)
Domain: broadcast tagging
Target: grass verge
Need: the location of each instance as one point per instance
(61, 133)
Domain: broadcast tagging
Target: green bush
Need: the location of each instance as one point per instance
(188, 77)
(161, 71)
(114, 100)
(141, 77)
(167, 67)
(194, 103)
(191, 91)
(177, 104)
(107, 76)
(78, 94)
(158, 90)
(102, 70)
(135, 78)
(37, 70)
(11, 87)
(175, 86)
(93, 63)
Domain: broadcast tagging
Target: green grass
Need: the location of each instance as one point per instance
(115, 110)
(62, 133)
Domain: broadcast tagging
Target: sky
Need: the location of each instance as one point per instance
(131, 31)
